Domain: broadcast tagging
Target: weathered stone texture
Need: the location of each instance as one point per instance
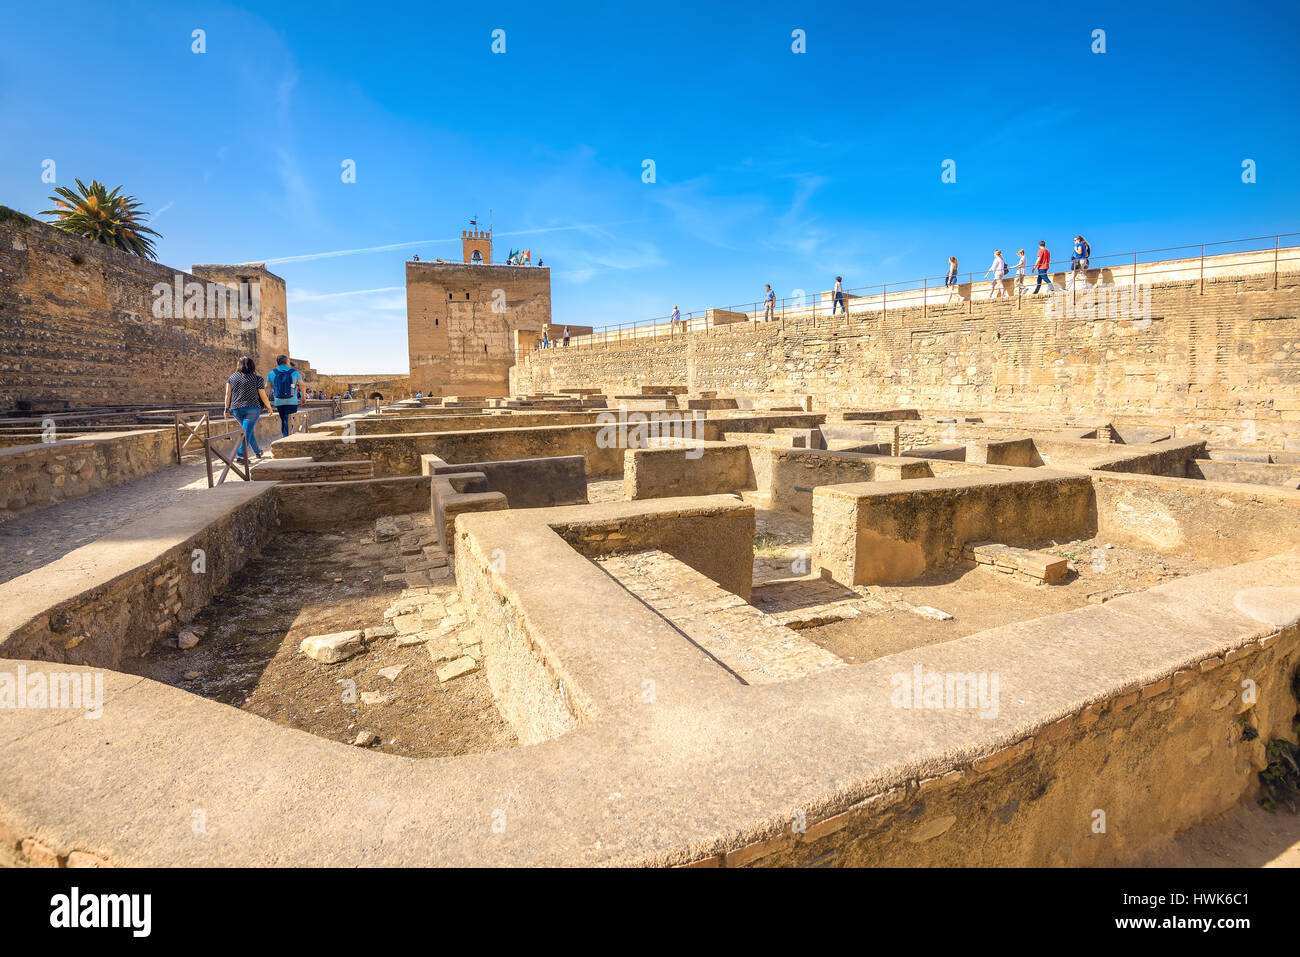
(1224, 365)
(460, 344)
(77, 327)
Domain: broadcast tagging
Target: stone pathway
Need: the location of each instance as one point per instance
(755, 647)
(38, 537)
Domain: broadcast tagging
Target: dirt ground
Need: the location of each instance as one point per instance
(977, 599)
(316, 583)
(1246, 836)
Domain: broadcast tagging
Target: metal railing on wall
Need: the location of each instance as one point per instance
(861, 303)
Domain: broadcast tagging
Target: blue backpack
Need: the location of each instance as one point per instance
(282, 380)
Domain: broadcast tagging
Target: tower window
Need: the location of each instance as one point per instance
(449, 297)
(466, 297)
(477, 257)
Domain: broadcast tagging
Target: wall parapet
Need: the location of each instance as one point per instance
(1221, 366)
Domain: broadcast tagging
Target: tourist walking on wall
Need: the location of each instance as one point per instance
(1041, 265)
(546, 341)
(1079, 260)
(998, 270)
(1020, 272)
(676, 321)
(769, 304)
(245, 400)
(566, 337)
(950, 280)
(286, 389)
(839, 296)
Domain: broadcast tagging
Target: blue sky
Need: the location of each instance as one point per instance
(771, 166)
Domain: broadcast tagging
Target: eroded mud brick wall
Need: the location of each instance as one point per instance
(459, 344)
(77, 326)
(1224, 365)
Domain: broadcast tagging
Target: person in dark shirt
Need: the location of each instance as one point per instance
(245, 400)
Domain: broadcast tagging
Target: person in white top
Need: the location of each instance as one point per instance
(839, 296)
(1020, 271)
(997, 270)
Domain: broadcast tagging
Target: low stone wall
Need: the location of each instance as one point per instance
(1179, 729)
(112, 599)
(460, 493)
(1170, 458)
(1017, 452)
(391, 424)
(322, 506)
(33, 476)
(400, 454)
(894, 531)
(1214, 520)
(685, 468)
(525, 483)
(1286, 475)
(716, 426)
(508, 567)
(788, 476)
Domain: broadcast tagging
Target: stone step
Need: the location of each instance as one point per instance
(1020, 563)
(753, 646)
(301, 470)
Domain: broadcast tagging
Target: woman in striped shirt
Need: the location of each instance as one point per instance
(245, 400)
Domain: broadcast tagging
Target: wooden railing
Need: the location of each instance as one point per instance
(225, 448)
(191, 432)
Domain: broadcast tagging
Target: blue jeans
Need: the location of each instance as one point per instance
(247, 418)
(1042, 277)
(285, 411)
(839, 301)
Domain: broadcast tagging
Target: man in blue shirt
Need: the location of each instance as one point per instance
(285, 385)
(769, 304)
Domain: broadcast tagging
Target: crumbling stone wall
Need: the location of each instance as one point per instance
(1224, 365)
(77, 328)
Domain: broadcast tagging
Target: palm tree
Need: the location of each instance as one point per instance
(103, 217)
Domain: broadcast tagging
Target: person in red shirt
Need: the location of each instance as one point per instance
(1041, 265)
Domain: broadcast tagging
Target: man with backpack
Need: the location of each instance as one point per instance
(286, 388)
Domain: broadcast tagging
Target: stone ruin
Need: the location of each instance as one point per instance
(658, 625)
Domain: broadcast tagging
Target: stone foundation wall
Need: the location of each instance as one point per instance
(882, 532)
(322, 506)
(32, 476)
(114, 598)
(1223, 366)
(400, 454)
(700, 468)
(1220, 521)
(1183, 736)
(788, 476)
